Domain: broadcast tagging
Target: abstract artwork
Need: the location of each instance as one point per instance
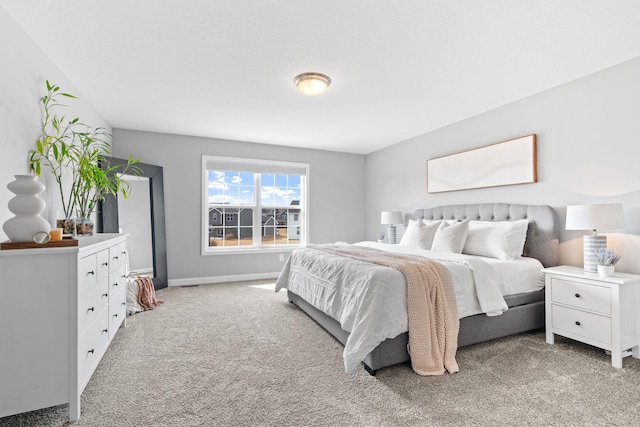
(504, 163)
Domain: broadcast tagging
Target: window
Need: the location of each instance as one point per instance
(253, 204)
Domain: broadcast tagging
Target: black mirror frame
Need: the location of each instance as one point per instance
(107, 218)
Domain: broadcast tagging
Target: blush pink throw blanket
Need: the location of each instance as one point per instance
(431, 306)
(146, 293)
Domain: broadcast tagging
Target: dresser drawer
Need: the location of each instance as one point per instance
(117, 283)
(91, 346)
(581, 295)
(117, 313)
(91, 304)
(103, 264)
(117, 256)
(588, 325)
(87, 273)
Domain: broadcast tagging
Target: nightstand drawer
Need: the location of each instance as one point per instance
(581, 295)
(581, 323)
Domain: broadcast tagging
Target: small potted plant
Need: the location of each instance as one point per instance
(606, 260)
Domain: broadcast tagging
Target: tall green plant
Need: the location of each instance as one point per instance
(95, 176)
(55, 148)
(78, 154)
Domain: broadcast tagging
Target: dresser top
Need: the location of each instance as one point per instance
(88, 243)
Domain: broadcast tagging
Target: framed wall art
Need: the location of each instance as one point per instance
(504, 163)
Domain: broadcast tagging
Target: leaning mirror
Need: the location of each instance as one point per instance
(141, 215)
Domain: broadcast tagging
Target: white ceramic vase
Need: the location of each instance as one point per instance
(26, 205)
(606, 270)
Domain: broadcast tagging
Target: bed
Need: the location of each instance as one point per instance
(524, 310)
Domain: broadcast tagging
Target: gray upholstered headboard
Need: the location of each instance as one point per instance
(542, 236)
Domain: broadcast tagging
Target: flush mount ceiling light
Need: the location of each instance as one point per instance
(312, 84)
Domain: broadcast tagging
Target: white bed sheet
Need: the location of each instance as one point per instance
(369, 301)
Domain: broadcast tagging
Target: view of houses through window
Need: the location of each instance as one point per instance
(251, 208)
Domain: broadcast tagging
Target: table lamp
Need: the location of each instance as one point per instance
(606, 216)
(390, 218)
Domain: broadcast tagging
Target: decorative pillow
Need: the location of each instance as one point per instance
(497, 239)
(419, 234)
(450, 237)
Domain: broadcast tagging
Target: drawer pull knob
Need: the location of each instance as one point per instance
(91, 273)
(90, 351)
(115, 284)
(123, 252)
(123, 303)
(577, 295)
(115, 257)
(577, 323)
(105, 330)
(104, 264)
(105, 295)
(90, 309)
(115, 315)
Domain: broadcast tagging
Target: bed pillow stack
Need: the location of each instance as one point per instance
(419, 235)
(496, 239)
(450, 237)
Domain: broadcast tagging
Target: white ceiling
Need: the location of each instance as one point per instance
(400, 68)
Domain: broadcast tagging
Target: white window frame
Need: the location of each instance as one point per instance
(258, 166)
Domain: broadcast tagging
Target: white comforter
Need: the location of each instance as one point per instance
(370, 301)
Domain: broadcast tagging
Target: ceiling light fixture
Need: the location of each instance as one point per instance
(312, 84)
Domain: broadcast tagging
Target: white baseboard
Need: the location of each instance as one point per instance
(222, 279)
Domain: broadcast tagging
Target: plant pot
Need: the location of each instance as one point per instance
(68, 226)
(84, 227)
(606, 270)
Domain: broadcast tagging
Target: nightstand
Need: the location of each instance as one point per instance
(600, 311)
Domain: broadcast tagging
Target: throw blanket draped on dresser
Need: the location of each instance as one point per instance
(431, 305)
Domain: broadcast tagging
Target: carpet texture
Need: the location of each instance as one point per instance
(238, 354)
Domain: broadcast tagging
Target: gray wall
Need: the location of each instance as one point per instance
(23, 73)
(588, 152)
(336, 204)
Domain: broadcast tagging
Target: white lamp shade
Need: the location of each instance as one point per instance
(606, 216)
(391, 217)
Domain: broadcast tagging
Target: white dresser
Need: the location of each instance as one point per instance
(600, 311)
(59, 310)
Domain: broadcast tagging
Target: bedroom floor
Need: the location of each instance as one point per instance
(240, 355)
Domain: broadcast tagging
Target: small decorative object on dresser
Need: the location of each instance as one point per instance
(27, 206)
(600, 311)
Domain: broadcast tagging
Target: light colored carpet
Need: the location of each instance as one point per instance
(237, 355)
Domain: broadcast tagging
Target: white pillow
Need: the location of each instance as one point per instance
(419, 234)
(450, 237)
(496, 239)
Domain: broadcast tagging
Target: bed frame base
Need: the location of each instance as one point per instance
(526, 313)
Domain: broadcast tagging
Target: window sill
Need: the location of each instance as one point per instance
(250, 251)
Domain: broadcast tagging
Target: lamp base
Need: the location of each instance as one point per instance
(391, 234)
(590, 245)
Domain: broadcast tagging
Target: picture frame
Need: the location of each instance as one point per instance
(509, 162)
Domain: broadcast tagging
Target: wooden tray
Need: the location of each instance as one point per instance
(66, 241)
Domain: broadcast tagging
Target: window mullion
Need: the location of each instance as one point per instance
(257, 212)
